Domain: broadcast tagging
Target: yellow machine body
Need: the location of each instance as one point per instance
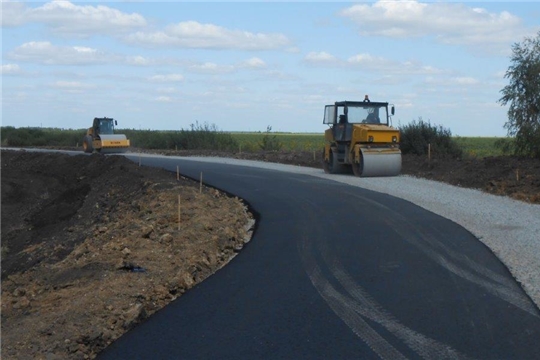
(362, 140)
(101, 138)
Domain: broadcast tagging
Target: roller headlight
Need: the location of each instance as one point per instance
(370, 138)
(394, 138)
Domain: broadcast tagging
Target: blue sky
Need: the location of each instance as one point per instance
(244, 66)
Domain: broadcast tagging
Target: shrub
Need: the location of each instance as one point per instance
(32, 136)
(416, 136)
(198, 137)
(270, 142)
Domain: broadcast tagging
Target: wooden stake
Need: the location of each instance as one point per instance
(139, 159)
(429, 152)
(314, 155)
(179, 212)
(177, 173)
(517, 174)
(200, 186)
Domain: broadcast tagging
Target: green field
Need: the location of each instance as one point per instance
(290, 142)
(480, 146)
(208, 138)
(472, 146)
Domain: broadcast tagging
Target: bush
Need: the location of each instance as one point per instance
(198, 137)
(270, 142)
(32, 136)
(416, 136)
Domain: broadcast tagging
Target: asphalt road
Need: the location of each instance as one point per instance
(338, 272)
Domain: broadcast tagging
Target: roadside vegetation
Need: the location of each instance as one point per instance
(421, 137)
(522, 94)
(208, 137)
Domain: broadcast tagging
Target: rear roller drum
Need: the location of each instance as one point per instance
(333, 166)
(87, 144)
(358, 168)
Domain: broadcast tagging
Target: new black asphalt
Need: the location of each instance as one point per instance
(338, 272)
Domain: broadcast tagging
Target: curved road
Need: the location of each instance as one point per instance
(338, 272)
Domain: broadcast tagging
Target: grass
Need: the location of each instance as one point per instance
(203, 136)
(250, 142)
(480, 146)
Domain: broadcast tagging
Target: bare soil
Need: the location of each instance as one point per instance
(91, 245)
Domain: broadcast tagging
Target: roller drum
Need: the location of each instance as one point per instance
(380, 162)
(111, 144)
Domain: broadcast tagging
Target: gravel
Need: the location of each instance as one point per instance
(510, 228)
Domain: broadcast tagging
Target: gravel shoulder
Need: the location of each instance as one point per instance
(508, 227)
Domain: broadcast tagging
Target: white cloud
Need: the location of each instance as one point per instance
(167, 78)
(448, 81)
(253, 63)
(75, 87)
(449, 23)
(70, 19)
(166, 90)
(320, 58)
(138, 60)
(466, 81)
(163, 99)
(10, 69)
(370, 61)
(367, 61)
(210, 68)
(43, 52)
(12, 13)
(192, 34)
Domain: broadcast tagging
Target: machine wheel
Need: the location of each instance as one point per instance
(358, 168)
(87, 144)
(333, 166)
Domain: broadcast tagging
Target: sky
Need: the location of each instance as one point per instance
(244, 66)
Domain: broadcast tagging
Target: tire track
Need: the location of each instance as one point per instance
(437, 252)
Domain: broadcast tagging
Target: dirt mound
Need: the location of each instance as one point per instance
(91, 245)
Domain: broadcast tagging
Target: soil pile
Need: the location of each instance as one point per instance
(91, 245)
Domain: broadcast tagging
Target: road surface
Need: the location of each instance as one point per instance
(336, 271)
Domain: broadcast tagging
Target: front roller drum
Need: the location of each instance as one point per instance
(114, 144)
(378, 162)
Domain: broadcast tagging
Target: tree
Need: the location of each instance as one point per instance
(523, 95)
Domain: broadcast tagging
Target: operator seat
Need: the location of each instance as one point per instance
(372, 119)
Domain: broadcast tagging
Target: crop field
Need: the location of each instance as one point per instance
(481, 146)
(288, 141)
(204, 137)
(472, 146)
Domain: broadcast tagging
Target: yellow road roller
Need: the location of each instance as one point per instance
(361, 139)
(101, 138)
